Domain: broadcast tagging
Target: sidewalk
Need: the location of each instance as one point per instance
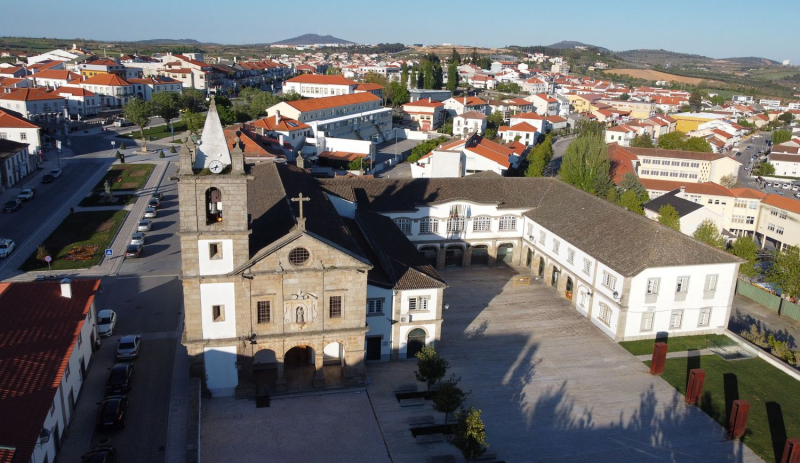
(672, 355)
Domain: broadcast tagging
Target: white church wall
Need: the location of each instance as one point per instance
(430, 336)
(222, 377)
(223, 294)
(433, 302)
(380, 323)
(220, 265)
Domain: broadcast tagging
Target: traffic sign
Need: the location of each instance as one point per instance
(47, 258)
(109, 252)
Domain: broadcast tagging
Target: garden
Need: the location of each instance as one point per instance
(126, 177)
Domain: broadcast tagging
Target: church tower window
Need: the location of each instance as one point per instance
(213, 206)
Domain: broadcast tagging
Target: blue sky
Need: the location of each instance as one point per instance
(713, 28)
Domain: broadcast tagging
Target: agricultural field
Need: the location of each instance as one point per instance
(649, 74)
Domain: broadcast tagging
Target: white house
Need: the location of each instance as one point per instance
(34, 104)
(460, 105)
(469, 122)
(318, 86)
(80, 101)
(459, 158)
(528, 134)
(691, 214)
(16, 163)
(786, 165)
(16, 128)
(113, 91)
(544, 104)
(53, 78)
(146, 88)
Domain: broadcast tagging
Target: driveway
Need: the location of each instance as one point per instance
(550, 385)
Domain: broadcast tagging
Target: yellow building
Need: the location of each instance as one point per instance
(579, 104)
(687, 122)
(637, 109)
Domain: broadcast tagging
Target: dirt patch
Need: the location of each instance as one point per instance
(105, 226)
(129, 185)
(649, 74)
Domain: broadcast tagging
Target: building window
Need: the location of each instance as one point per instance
(508, 223)
(542, 237)
(711, 283)
(647, 321)
(683, 285)
(771, 226)
(605, 314)
(783, 214)
(66, 371)
(23, 136)
(80, 339)
(750, 220)
(773, 211)
(705, 317)
(571, 256)
(53, 407)
(215, 251)
(587, 266)
(336, 306)
(429, 225)
(264, 311)
(609, 281)
(556, 245)
(404, 225)
(418, 303)
(218, 313)
(779, 230)
(652, 285)
(455, 225)
(374, 306)
(676, 318)
(298, 256)
(481, 224)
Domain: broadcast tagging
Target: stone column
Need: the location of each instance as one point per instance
(319, 375)
(280, 382)
(440, 258)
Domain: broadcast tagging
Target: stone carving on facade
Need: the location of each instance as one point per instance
(300, 309)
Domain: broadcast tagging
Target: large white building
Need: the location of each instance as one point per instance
(318, 86)
(15, 127)
(34, 104)
(684, 166)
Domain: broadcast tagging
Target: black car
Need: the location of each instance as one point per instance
(158, 196)
(119, 379)
(134, 250)
(100, 455)
(12, 206)
(154, 203)
(112, 412)
(47, 178)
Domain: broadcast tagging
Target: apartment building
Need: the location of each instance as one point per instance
(318, 86)
(696, 167)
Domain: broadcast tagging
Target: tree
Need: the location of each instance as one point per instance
(672, 140)
(586, 127)
(332, 71)
(438, 76)
(452, 76)
(449, 397)
(227, 116)
(631, 202)
(421, 78)
(356, 164)
(585, 164)
(785, 271)
(429, 76)
(697, 144)
(194, 121)
(786, 117)
(764, 169)
(455, 57)
(491, 134)
(166, 105)
(708, 233)
(668, 215)
(631, 182)
(470, 434)
(539, 157)
(781, 136)
(495, 120)
(430, 367)
(718, 100)
(414, 78)
(696, 99)
(473, 58)
(404, 75)
(397, 94)
(139, 112)
(624, 97)
(375, 78)
(728, 181)
(41, 253)
(642, 141)
(747, 249)
(192, 100)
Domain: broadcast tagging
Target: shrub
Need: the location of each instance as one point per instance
(162, 155)
(122, 145)
(119, 155)
(755, 336)
(172, 150)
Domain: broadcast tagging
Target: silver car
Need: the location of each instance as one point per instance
(106, 321)
(138, 238)
(150, 212)
(144, 225)
(128, 348)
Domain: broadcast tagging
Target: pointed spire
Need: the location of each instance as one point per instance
(213, 145)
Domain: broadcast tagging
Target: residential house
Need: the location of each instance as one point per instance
(468, 123)
(540, 123)
(637, 109)
(535, 85)
(53, 78)
(460, 105)
(691, 214)
(778, 222)
(427, 114)
(545, 105)
(148, 87)
(786, 165)
(469, 156)
(16, 163)
(112, 90)
(14, 127)
(35, 105)
(527, 133)
(283, 129)
(80, 101)
(101, 66)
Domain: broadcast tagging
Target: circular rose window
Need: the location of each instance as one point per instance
(298, 256)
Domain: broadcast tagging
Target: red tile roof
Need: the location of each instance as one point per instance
(676, 154)
(106, 79)
(472, 115)
(314, 104)
(37, 337)
(533, 116)
(491, 150)
(748, 193)
(621, 162)
(285, 124)
(471, 101)
(322, 79)
(521, 127)
(341, 155)
(8, 120)
(56, 74)
(368, 86)
(29, 94)
(74, 91)
(425, 103)
(103, 62)
(555, 119)
(782, 202)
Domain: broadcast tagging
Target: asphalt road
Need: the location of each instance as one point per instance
(559, 148)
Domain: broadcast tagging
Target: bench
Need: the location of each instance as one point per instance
(420, 420)
(441, 459)
(430, 438)
(416, 402)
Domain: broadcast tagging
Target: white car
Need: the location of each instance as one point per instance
(106, 321)
(144, 225)
(786, 186)
(776, 185)
(797, 195)
(150, 212)
(6, 246)
(795, 187)
(138, 238)
(55, 173)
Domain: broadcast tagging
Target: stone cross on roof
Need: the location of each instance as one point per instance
(301, 221)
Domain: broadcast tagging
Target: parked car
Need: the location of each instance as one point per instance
(159, 196)
(776, 185)
(749, 147)
(26, 194)
(119, 378)
(786, 186)
(6, 246)
(13, 205)
(122, 122)
(128, 348)
(138, 238)
(795, 187)
(738, 153)
(106, 321)
(797, 195)
(153, 203)
(112, 412)
(47, 178)
(144, 225)
(100, 455)
(134, 250)
(55, 173)
(150, 212)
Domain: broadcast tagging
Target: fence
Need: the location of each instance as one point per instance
(782, 306)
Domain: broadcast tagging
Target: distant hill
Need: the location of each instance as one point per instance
(753, 61)
(572, 44)
(647, 56)
(169, 42)
(311, 39)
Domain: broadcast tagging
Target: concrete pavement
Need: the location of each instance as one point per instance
(746, 313)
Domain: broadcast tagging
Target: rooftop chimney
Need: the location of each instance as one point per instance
(465, 100)
(430, 100)
(66, 288)
(277, 117)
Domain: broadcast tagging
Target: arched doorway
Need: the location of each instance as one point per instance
(265, 371)
(529, 259)
(454, 256)
(568, 292)
(333, 364)
(299, 368)
(554, 278)
(505, 253)
(480, 255)
(416, 341)
(540, 270)
(431, 254)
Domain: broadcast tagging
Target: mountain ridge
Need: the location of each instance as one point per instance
(311, 39)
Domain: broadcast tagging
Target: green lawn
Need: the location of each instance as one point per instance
(159, 132)
(95, 200)
(126, 176)
(764, 386)
(80, 240)
(677, 343)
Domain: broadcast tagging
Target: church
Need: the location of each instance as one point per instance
(293, 283)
